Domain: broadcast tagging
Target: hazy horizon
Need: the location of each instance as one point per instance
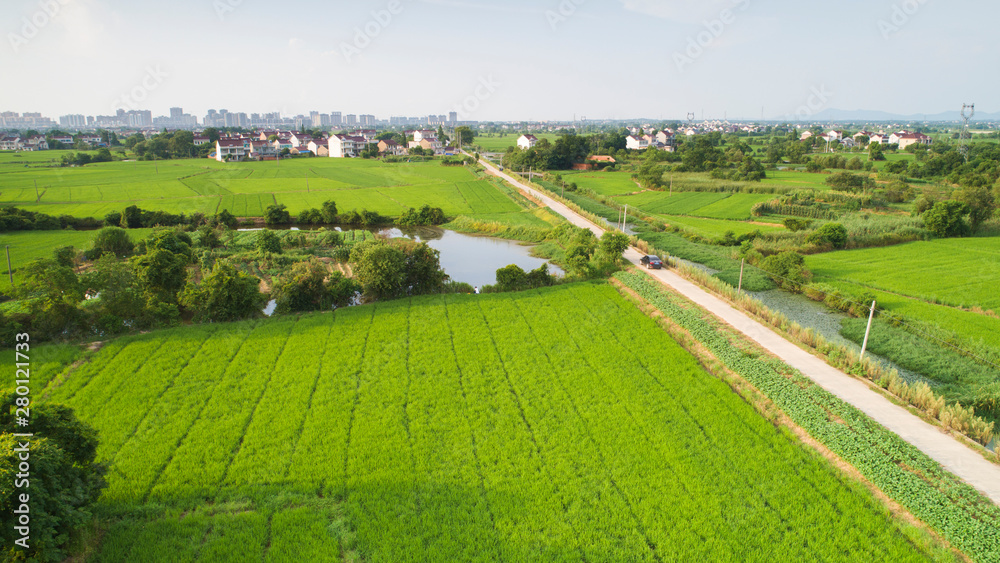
(550, 60)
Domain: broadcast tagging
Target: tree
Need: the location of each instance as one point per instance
(875, 152)
(511, 278)
(212, 133)
(277, 215)
(131, 217)
(380, 268)
(650, 174)
(52, 293)
(464, 135)
(227, 219)
(161, 273)
(787, 269)
(121, 298)
(329, 212)
(981, 203)
(423, 268)
(749, 171)
(225, 294)
(112, 240)
(268, 241)
(611, 247)
(309, 287)
(833, 234)
(182, 144)
(65, 478)
(370, 151)
(947, 219)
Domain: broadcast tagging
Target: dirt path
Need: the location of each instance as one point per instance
(953, 455)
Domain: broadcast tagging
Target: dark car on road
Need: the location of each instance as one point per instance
(652, 262)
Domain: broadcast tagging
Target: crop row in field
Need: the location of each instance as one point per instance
(961, 514)
(561, 424)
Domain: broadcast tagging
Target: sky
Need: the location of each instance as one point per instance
(500, 60)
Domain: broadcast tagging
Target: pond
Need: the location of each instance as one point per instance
(473, 259)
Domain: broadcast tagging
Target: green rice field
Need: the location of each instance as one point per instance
(554, 425)
(246, 189)
(26, 246)
(937, 281)
(501, 143)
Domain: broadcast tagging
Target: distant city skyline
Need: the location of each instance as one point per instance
(520, 60)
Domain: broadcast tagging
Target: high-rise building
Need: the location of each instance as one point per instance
(73, 121)
(453, 117)
(336, 118)
(350, 120)
(176, 113)
(367, 120)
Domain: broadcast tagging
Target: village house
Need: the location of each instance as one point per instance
(10, 143)
(262, 149)
(637, 143)
(282, 144)
(526, 142)
(298, 140)
(390, 147)
(319, 147)
(905, 139)
(229, 149)
(346, 146)
(420, 135)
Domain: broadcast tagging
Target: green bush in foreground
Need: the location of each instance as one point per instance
(63, 480)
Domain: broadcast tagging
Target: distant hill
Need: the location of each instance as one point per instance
(873, 115)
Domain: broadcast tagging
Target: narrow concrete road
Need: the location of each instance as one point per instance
(955, 456)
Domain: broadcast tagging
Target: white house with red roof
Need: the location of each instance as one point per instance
(905, 139)
(346, 146)
(319, 147)
(230, 149)
(527, 141)
(298, 140)
(11, 143)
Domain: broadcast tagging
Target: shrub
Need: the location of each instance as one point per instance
(832, 234)
(111, 240)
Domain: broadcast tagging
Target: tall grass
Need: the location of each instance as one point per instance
(952, 416)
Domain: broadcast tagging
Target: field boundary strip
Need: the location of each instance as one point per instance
(962, 514)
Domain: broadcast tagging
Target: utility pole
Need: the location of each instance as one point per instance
(742, 264)
(864, 346)
(968, 111)
(10, 271)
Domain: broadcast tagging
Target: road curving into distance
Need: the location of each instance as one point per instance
(953, 455)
